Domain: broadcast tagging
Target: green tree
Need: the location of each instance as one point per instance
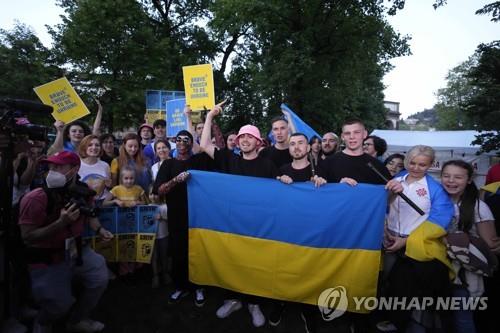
(24, 63)
(125, 46)
(484, 103)
(450, 112)
(324, 59)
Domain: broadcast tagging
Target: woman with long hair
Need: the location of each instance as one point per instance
(131, 155)
(474, 218)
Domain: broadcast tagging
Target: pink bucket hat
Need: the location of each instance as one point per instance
(249, 129)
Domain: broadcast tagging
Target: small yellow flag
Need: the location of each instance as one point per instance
(68, 106)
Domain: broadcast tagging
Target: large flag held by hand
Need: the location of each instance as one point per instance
(289, 242)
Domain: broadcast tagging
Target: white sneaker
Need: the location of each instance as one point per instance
(228, 307)
(199, 299)
(258, 318)
(85, 326)
(177, 295)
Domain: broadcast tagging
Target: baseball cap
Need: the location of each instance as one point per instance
(63, 158)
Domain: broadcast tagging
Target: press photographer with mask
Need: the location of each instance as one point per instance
(52, 220)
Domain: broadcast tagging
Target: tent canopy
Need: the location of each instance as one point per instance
(458, 141)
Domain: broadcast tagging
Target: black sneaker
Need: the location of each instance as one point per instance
(276, 314)
(309, 323)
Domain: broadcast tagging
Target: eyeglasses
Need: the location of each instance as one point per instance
(184, 139)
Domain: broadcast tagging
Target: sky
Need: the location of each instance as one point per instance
(441, 40)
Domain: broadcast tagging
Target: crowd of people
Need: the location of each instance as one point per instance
(149, 167)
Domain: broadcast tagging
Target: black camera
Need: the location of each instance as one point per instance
(33, 132)
(80, 195)
(12, 115)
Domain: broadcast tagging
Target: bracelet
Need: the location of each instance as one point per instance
(98, 229)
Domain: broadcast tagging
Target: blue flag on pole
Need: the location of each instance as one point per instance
(298, 124)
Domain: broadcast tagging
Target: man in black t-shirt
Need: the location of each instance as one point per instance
(248, 164)
(278, 153)
(300, 170)
(351, 164)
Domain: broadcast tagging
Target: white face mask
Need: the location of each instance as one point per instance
(55, 179)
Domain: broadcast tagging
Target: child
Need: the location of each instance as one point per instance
(126, 195)
(473, 217)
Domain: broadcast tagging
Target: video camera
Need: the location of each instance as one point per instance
(80, 194)
(12, 114)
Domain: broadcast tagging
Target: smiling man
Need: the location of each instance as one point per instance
(250, 163)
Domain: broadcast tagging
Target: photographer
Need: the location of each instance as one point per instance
(51, 223)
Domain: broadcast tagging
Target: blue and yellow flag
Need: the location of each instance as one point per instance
(289, 242)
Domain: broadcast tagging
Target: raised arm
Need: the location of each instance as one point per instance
(96, 129)
(58, 144)
(206, 135)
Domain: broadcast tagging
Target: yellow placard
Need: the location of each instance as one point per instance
(68, 106)
(108, 249)
(145, 246)
(153, 115)
(127, 247)
(199, 86)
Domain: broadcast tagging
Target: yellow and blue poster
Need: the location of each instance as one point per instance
(286, 242)
(134, 231)
(59, 94)
(199, 86)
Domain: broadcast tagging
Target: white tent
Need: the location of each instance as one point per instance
(448, 145)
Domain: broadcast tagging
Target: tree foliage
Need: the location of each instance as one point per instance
(450, 112)
(325, 59)
(24, 63)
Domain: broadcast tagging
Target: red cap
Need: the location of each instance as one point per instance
(63, 158)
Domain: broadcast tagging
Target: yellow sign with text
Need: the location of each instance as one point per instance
(68, 106)
(199, 86)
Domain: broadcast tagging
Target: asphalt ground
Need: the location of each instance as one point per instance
(130, 306)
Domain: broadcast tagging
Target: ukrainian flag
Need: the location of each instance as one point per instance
(289, 242)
